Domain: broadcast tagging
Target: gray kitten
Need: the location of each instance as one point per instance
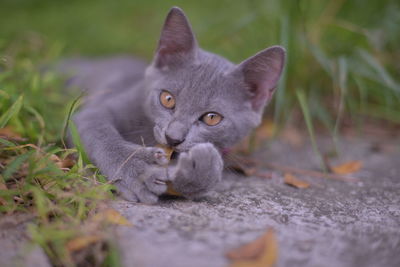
(194, 101)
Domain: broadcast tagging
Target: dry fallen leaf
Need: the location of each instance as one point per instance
(348, 167)
(262, 252)
(3, 186)
(3, 202)
(290, 179)
(9, 134)
(66, 163)
(292, 136)
(112, 216)
(242, 165)
(249, 171)
(81, 242)
(265, 131)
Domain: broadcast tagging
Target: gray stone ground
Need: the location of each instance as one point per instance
(14, 248)
(332, 223)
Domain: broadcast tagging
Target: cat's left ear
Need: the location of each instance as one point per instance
(261, 73)
(177, 41)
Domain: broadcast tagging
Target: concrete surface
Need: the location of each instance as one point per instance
(15, 248)
(332, 223)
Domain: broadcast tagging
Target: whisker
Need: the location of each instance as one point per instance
(137, 131)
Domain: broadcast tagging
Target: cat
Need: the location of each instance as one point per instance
(194, 101)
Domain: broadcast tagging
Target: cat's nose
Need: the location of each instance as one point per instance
(172, 141)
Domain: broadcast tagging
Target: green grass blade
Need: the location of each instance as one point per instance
(281, 90)
(15, 164)
(12, 111)
(70, 112)
(77, 141)
(342, 81)
(306, 113)
(41, 121)
(113, 258)
(380, 70)
(41, 202)
(7, 143)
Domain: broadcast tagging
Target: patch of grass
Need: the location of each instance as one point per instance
(37, 173)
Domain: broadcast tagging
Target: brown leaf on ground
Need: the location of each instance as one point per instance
(9, 134)
(265, 131)
(292, 136)
(348, 167)
(262, 252)
(290, 179)
(82, 242)
(3, 202)
(112, 216)
(3, 186)
(249, 171)
(66, 163)
(242, 165)
(242, 169)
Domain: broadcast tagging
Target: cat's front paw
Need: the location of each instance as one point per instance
(157, 156)
(145, 188)
(198, 171)
(143, 175)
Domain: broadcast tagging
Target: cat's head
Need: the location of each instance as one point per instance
(195, 96)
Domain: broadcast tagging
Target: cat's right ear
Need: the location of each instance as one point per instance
(261, 73)
(177, 42)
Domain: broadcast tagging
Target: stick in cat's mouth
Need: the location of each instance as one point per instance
(171, 152)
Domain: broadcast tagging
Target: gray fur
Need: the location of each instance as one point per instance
(122, 119)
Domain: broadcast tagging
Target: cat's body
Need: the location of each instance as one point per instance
(190, 99)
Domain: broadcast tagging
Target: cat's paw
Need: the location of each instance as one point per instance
(198, 171)
(146, 187)
(157, 156)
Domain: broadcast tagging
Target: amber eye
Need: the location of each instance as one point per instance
(167, 100)
(211, 118)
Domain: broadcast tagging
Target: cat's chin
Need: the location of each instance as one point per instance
(180, 150)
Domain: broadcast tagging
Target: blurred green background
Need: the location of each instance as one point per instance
(344, 56)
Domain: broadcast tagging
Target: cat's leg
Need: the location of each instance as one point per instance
(197, 171)
(138, 172)
(142, 177)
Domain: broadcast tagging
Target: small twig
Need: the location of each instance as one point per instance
(123, 164)
(311, 173)
(113, 181)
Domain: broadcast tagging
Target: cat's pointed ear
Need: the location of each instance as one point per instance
(177, 40)
(261, 73)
